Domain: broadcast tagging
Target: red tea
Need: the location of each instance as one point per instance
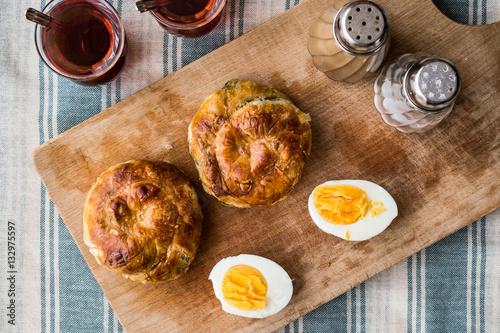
(189, 18)
(87, 45)
(185, 11)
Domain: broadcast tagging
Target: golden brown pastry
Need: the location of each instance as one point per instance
(250, 144)
(142, 220)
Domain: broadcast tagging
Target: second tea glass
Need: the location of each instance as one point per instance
(186, 18)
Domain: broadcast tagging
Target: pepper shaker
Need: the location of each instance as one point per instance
(416, 92)
(348, 43)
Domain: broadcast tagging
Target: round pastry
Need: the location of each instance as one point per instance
(142, 220)
(250, 144)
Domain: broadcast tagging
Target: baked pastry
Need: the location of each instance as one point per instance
(142, 220)
(250, 144)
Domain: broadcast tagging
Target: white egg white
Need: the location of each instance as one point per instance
(279, 284)
(368, 226)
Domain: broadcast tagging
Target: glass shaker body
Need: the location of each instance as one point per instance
(350, 42)
(416, 92)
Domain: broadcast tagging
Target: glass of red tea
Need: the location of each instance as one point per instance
(84, 41)
(185, 18)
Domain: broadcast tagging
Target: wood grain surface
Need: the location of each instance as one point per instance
(441, 180)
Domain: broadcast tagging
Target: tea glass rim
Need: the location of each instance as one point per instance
(99, 72)
(190, 26)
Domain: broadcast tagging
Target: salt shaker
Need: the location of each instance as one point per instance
(416, 92)
(348, 43)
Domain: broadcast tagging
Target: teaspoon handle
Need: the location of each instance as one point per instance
(38, 17)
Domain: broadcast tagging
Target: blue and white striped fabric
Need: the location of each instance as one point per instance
(451, 286)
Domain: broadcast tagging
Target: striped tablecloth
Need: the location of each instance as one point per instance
(451, 286)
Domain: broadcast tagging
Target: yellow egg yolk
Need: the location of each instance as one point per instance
(244, 288)
(340, 204)
(377, 208)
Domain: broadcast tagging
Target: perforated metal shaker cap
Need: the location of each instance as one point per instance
(361, 27)
(432, 83)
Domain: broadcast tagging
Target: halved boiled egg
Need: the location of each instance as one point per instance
(251, 286)
(352, 209)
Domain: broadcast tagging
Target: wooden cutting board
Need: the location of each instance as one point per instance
(441, 180)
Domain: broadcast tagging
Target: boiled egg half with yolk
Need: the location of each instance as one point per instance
(251, 286)
(354, 210)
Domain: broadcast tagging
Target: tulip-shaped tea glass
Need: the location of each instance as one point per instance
(82, 40)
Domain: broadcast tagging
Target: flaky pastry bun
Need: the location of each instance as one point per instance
(142, 220)
(250, 144)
